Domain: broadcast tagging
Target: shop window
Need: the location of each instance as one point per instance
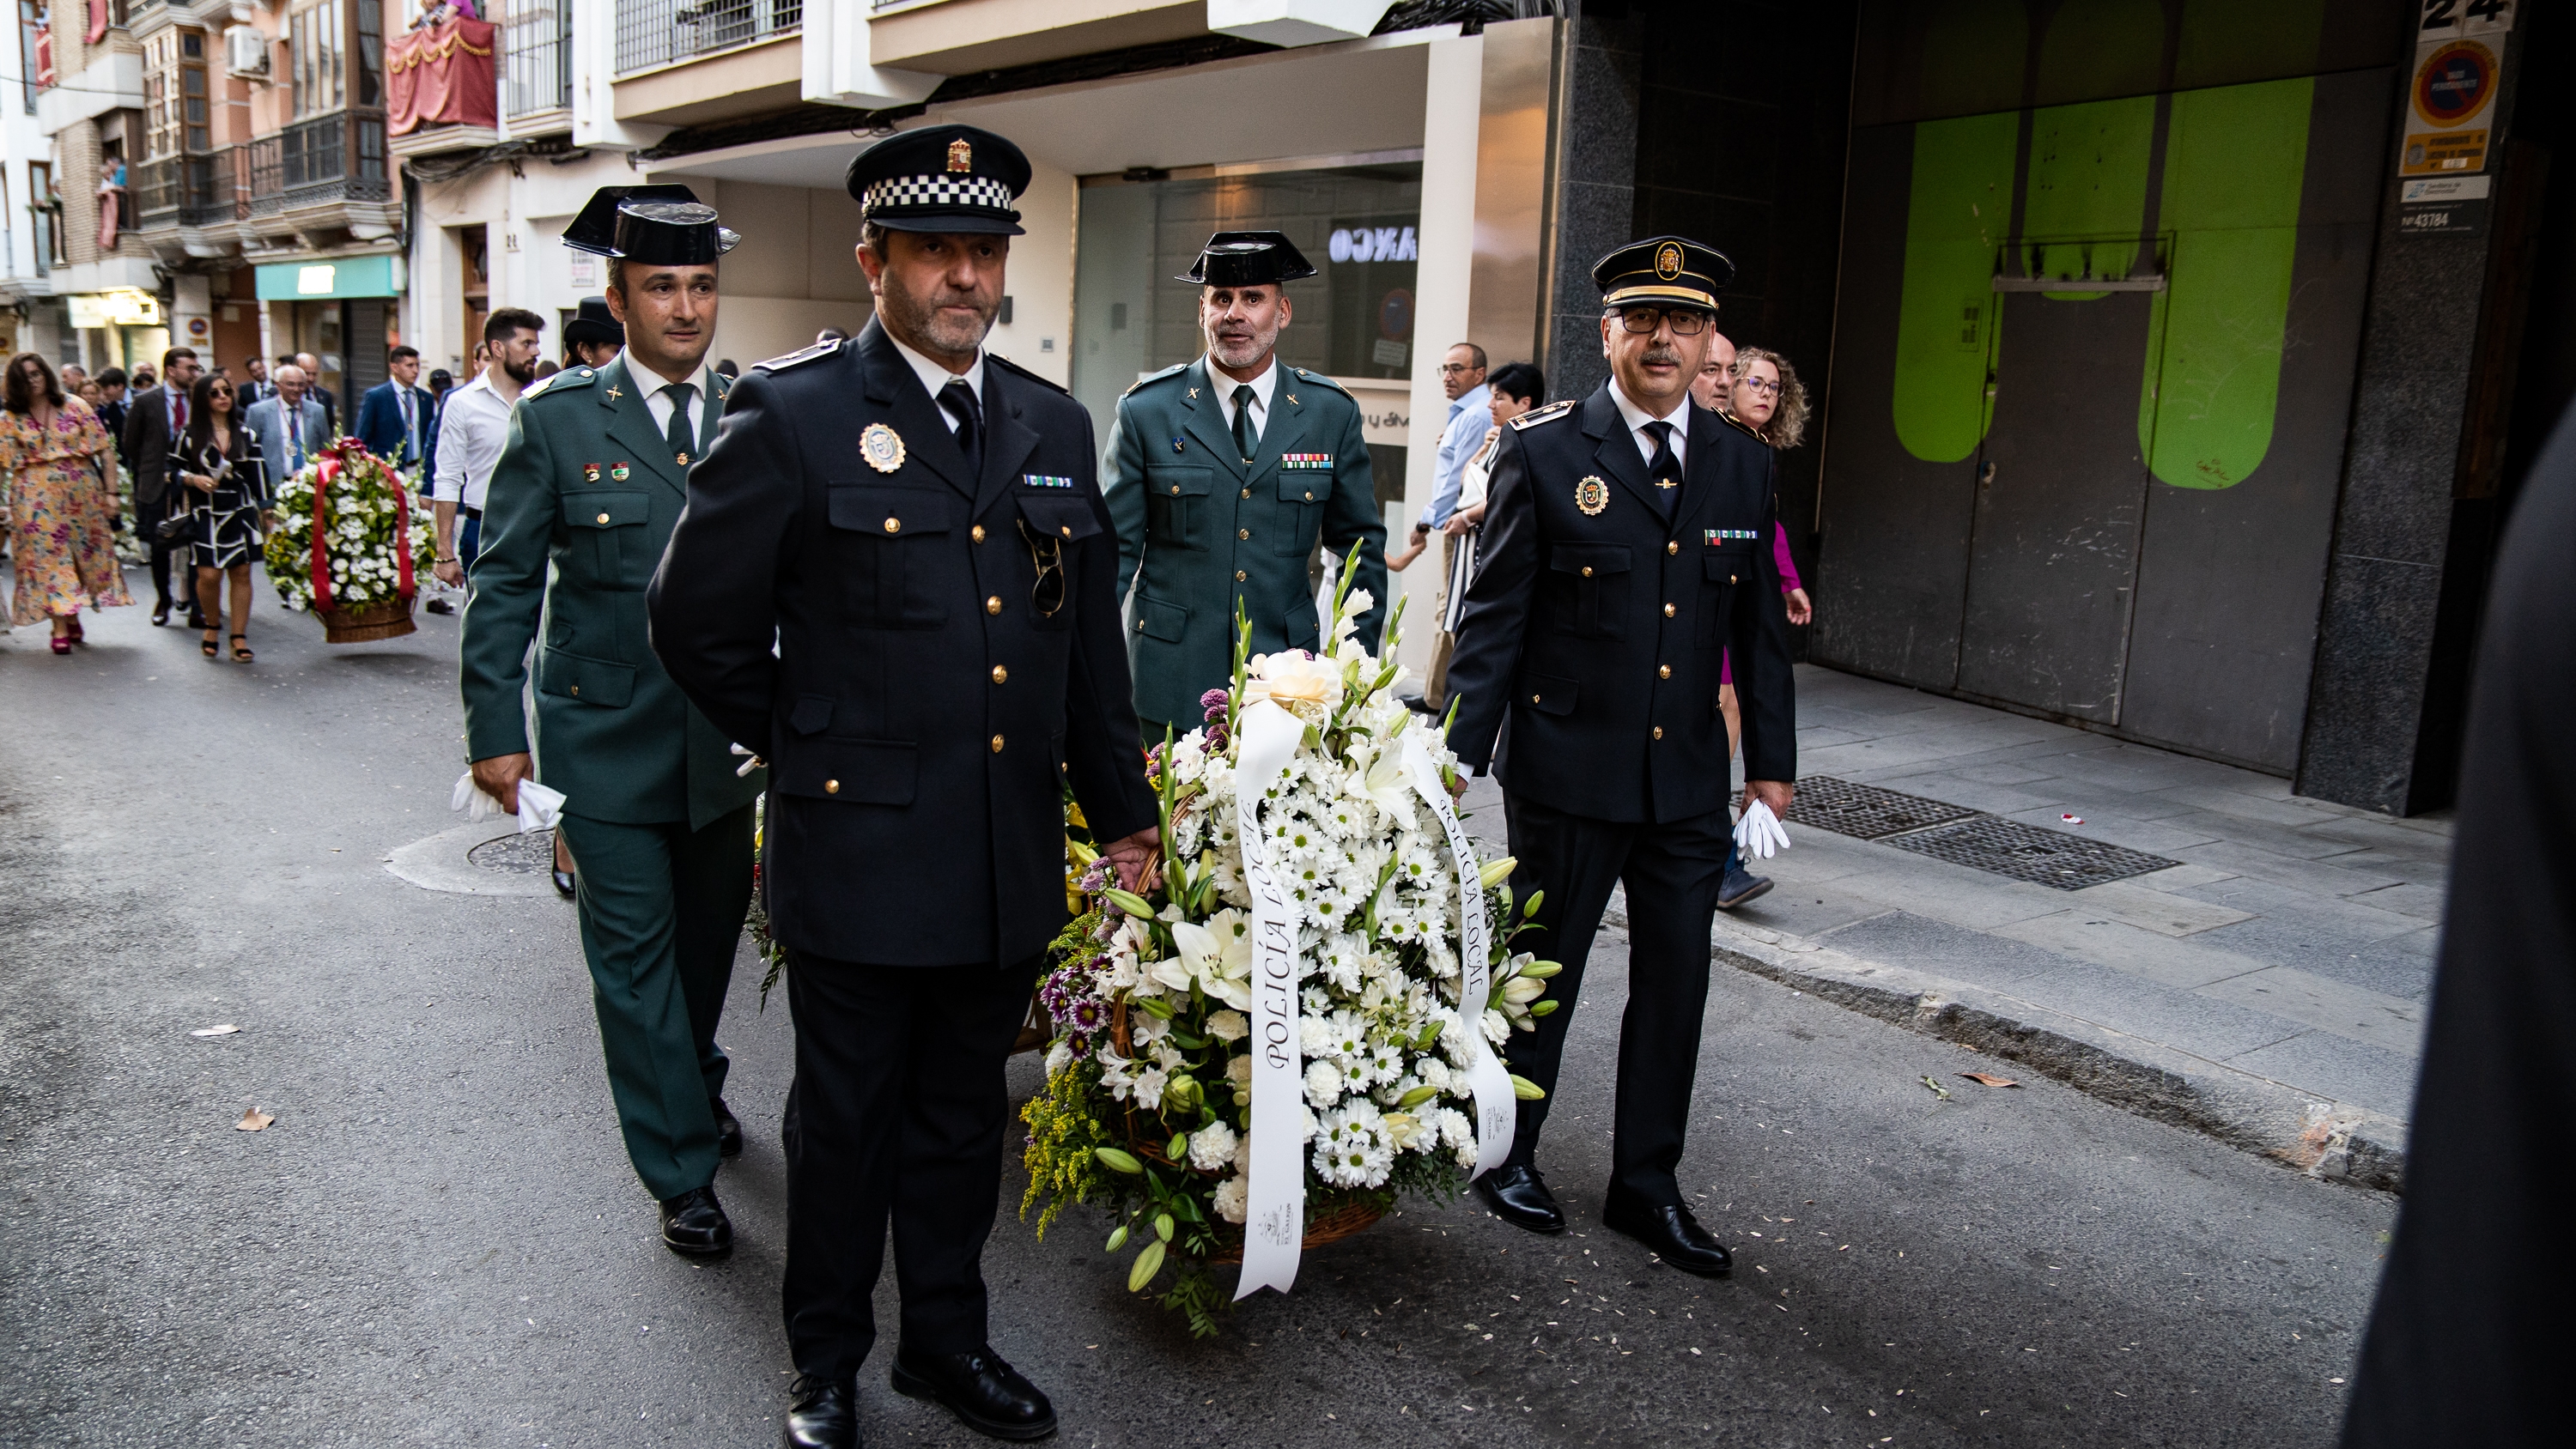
(1357, 223)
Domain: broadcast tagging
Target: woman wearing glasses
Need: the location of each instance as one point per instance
(219, 461)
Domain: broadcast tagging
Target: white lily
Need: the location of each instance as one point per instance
(1219, 955)
(1378, 776)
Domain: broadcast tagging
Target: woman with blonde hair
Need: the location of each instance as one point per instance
(55, 456)
(1766, 400)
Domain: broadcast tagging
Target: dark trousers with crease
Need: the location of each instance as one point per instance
(661, 915)
(899, 1111)
(1672, 872)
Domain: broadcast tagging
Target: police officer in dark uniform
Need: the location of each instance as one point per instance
(915, 525)
(1627, 547)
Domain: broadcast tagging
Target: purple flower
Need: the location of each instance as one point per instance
(1212, 705)
(1087, 1015)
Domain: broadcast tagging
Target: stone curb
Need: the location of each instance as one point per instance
(2322, 1139)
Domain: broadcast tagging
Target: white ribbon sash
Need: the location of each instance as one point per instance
(1274, 1225)
(1496, 1108)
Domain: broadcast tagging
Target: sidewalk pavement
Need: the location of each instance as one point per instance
(2262, 977)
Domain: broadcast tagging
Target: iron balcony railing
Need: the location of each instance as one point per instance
(658, 32)
(535, 74)
(338, 157)
(186, 190)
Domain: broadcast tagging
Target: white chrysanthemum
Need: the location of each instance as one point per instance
(1459, 1132)
(1229, 1026)
(1323, 1083)
(1233, 1197)
(1212, 1147)
(1351, 1149)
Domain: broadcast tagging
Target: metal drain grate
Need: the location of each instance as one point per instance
(2028, 852)
(1865, 812)
(514, 854)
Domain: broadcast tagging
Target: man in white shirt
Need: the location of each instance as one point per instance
(472, 425)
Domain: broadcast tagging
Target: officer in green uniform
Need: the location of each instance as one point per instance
(588, 486)
(1222, 475)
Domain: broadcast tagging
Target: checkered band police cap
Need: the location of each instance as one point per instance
(941, 178)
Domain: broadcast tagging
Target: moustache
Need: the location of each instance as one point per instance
(1661, 354)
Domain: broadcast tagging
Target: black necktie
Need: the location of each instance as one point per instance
(1246, 437)
(683, 441)
(959, 402)
(1666, 468)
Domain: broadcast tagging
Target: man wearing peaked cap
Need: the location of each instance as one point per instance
(893, 583)
(1224, 475)
(590, 481)
(1627, 552)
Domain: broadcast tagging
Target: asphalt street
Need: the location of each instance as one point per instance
(438, 1241)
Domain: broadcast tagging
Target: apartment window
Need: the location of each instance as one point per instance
(44, 209)
(317, 59)
(174, 93)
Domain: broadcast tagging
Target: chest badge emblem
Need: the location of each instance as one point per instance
(590, 472)
(1591, 495)
(883, 450)
(618, 473)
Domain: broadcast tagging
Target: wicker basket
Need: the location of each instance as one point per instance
(1329, 1226)
(368, 623)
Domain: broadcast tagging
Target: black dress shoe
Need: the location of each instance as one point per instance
(160, 613)
(728, 1131)
(979, 1388)
(823, 1415)
(694, 1224)
(1672, 1232)
(565, 885)
(439, 606)
(1518, 1197)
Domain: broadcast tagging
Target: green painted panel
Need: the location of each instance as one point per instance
(2088, 187)
(1972, 56)
(1956, 217)
(2235, 162)
(2098, 48)
(2234, 40)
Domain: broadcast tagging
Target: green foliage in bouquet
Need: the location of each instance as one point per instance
(364, 501)
(1147, 1106)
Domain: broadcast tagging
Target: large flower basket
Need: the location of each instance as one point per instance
(350, 545)
(1296, 1025)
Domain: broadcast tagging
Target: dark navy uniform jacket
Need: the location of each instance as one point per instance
(919, 714)
(1587, 660)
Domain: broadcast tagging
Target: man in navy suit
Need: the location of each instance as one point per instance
(393, 417)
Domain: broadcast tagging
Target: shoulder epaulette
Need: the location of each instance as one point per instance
(1536, 416)
(564, 381)
(1016, 370)
(814, 353)
(1170, 371)
(1304, 376)
(1741, 425)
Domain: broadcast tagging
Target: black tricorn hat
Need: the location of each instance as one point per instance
(941, 178)
(1247, 259)
(663, 224)
(593, 324)
(1663, 271)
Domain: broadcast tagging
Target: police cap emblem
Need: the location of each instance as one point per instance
(881, 447)
(1591, 495)
(961, 157)
(1668, 261)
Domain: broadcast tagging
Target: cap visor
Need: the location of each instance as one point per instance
(959, 223)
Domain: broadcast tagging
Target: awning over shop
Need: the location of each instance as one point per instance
(369, 276)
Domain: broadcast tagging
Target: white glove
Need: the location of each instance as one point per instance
(750, 762)
(539, 807)
(1758, 833)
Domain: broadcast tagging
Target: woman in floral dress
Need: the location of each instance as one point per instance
(53, 452)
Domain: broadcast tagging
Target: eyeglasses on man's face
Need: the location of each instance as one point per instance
(1451, 368)
(1760, 384)
(1685, 322)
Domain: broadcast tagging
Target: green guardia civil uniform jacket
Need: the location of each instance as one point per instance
(587, 489)
(1201, 531)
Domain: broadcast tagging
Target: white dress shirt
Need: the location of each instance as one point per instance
(936, 376)
(1636, 418)
(471, 429)
(1262, 387)
(658, 401)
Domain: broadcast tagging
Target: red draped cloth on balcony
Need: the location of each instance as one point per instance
(97, 22)
(441, 76)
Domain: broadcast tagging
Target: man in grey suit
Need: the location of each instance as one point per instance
(287, 449)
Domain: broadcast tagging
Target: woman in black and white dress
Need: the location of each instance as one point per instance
(219, 460)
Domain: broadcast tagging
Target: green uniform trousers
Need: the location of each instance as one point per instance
(661, 915)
